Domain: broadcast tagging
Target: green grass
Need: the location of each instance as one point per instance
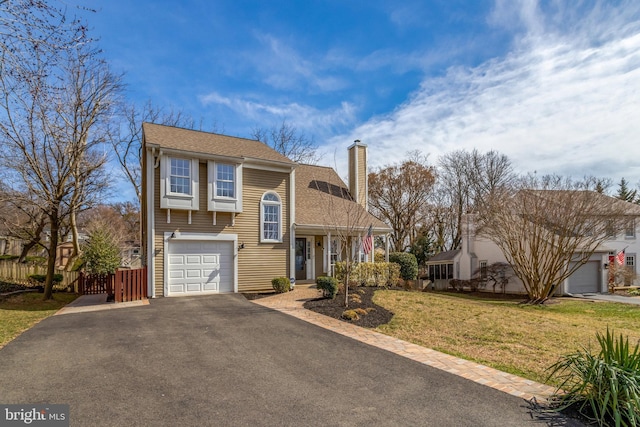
(521, 339)
(20, 312)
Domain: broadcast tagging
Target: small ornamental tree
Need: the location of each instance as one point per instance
(101, 252)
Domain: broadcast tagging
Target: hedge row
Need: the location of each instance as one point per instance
(370, 274)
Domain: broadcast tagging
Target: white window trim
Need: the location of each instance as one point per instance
(170, 200)
(223, 204)
(215, 181)
(169, 175)
(270, 203)
(632, 228)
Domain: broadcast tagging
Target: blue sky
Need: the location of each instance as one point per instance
(554, 85)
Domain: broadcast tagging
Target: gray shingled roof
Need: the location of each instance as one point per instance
(322, 199)
(444, 256)
(209, 143)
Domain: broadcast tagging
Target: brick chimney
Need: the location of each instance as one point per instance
(358, 179)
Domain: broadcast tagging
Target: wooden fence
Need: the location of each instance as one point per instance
(123, 285)
(19, 273)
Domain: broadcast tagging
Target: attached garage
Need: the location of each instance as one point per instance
(585, 280)
(197, 267)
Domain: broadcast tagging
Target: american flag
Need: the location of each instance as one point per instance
(367, 242)
(620, 257)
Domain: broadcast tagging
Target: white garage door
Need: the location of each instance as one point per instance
(200, 267)
(585, 279)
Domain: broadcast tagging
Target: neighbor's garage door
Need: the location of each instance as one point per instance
(585, 279)
(197, 267)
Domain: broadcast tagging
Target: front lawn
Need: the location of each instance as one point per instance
(521, 339)
(20, 312)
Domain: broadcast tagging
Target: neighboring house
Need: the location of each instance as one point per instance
(227, 214)
(478, 252)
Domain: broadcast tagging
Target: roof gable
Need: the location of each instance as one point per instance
(318, 189)
(211, 144)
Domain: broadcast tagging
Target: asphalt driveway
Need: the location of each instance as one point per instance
(221, 360)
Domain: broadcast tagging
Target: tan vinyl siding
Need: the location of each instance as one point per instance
(258, 263)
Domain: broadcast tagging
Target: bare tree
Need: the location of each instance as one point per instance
(287, 140)
(346, 222)
(464, 179)
(56, 97)
(399, 194)
(22, 219)
(547, 228)
(127, 138)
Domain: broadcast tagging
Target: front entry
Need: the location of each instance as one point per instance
(301, 258)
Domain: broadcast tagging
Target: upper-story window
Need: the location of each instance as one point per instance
(271, 218)
(225, 180)
(180, 176)
(630, 229)
(224, 186)
(179, 183)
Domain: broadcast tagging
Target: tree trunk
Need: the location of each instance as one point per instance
(75, 253)
(51, 262)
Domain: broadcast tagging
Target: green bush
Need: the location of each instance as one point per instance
(634, 292)
(40, 278)
(370, 274)
(605, 387)
(328, 286)
(408, 264)
(8, 257)
(281, 284)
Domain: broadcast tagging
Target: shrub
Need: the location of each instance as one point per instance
(328, 286)
(370, 274)
(281, 284)
(40, 278)
(350, 315)
(8, 257)
(605, 387)
(634, 292)
(408, 264)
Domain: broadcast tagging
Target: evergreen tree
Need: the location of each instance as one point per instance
(624, 193)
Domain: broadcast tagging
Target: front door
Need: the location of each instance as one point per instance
(301, 258)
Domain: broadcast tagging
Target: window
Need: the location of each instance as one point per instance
(630, 260)
(441, 272)
(179, 183)
(483, 270)
(225, 180)
(271, 223)
(224, 187)
(180, 176)
(630, 229)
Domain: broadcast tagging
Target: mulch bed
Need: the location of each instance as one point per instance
(335, 308)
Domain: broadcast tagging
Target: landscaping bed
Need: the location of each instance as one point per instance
(369, 314)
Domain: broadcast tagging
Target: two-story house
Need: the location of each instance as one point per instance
(477, 252)
(228, 214)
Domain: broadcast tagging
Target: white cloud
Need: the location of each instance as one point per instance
(564, 102)
(282, 67)
(301, 116)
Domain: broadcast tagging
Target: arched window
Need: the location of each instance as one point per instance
(270, 217)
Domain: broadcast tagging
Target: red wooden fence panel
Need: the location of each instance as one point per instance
(130, 285)
(124, 285)
(93, 284)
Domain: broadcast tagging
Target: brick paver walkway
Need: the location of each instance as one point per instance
(292, 303)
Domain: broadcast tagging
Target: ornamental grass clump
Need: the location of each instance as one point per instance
(605, 388)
